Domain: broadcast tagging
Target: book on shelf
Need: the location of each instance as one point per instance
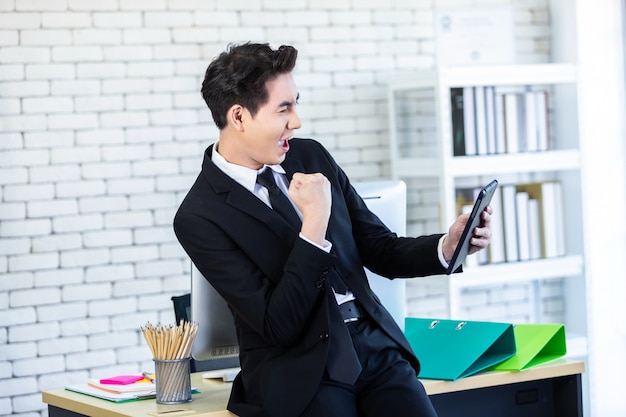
(500, 122)
(469, 122)
(512, 122)
(549, 199)
(509, 213)
(458, 129)
(559, 219)
(534, 228)
(543, 125)
(536, 121)
(496, 248)
(490, 114)
(523, 230)
(480, 114)
(530, 119)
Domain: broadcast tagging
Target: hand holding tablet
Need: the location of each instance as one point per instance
(482, 201)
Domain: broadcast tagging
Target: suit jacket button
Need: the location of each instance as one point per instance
(319, 284)
(324, 272)
(324, 336)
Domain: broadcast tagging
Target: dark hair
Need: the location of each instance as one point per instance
(238, 76)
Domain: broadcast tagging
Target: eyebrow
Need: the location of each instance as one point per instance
(289, 102)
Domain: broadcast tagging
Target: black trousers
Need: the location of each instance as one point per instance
(387, 385)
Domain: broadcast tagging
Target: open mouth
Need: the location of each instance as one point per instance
(284, 143)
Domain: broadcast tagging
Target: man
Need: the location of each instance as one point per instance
(314, 340)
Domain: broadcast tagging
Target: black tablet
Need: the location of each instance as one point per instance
(482, 200)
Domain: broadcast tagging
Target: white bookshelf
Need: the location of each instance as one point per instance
(492, 164)
(421, 146)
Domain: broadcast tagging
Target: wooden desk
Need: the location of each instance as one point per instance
(549, 390)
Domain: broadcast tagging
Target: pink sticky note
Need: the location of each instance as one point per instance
(122, 379)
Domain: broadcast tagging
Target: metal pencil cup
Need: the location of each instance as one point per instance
(173, 381)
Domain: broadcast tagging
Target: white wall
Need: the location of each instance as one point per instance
(603, 132)
(101, 133)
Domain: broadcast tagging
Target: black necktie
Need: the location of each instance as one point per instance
(281, 204)
(278, 199)
(343, 363)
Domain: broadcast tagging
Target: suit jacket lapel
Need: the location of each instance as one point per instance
(243, 200)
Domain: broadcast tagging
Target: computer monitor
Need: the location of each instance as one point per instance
(387, 199)
(215, 346)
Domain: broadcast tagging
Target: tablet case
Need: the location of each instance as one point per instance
(536, 344)
(453, 349)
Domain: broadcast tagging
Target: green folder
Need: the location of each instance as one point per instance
(453, 349)
(536, 343)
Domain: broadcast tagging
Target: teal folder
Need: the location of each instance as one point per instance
(536, 343)
(453, 349)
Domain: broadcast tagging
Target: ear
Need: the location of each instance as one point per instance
(236, 116)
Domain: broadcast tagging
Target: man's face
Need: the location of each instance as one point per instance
(266, 135)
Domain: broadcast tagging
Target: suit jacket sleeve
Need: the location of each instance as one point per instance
(380, 249)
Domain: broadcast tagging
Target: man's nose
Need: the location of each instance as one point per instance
(294, 121)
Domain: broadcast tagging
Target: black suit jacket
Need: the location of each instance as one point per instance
(275, 283)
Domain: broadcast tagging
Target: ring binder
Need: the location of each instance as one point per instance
(453, 349)
(536, 344)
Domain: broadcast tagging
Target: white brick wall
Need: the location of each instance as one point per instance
(102, 129)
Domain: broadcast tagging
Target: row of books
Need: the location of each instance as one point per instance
(486, 120)
(527, 223)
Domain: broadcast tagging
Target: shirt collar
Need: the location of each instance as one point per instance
(243, 175)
